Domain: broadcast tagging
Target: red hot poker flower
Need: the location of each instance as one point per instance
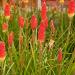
(2, 51)
(46, 22)
(33, 22)
(60, 55)
(10, 38)
(52, 26)
(7, 10)
(43, 11)
(71, 7)
(4, 27)
(41, 33)
(21, 22)
(43, 1)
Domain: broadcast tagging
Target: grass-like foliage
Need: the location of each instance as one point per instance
(55, 55)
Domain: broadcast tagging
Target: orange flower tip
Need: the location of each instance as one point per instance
(2, 59)
(7, 17)
(2, 51)
(70, 15)
(60, 55)
(4, 27)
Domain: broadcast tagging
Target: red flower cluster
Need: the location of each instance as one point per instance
(4, 27)
(41, 33)
(33, 22)
(7, 10)
(43, 14)
(46, 22)
(21, 22)
(43, 11)
(60, 55)
(2, 51)
(10, 38)
(71, 8)
(43, 1)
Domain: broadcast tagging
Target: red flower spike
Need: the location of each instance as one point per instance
(10, 38)
(43, 11)
(60, 55)
(21, 39)
(43, 1)
(4, 27)
(7, 10)
(2, 51)
(33, 22)
(21, 22)
(71, 8)
(52, 26)
(41, 33)
(46, 22)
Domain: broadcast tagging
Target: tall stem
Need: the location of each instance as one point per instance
(69, 30)
(40, 57)
(59, 69)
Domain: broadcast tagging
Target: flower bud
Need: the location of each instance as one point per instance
(10, 38)
(33, 22)
(4, 27)
(59, 55)
(2, 51)
(21, 22)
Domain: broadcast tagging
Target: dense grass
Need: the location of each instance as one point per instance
(28, 61)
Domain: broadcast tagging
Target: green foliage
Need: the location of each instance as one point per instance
(30, 64)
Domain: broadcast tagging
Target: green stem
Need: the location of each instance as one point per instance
(62, 25)
(59, 69)
(69, 31)
(40, 57)
(1, 68)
